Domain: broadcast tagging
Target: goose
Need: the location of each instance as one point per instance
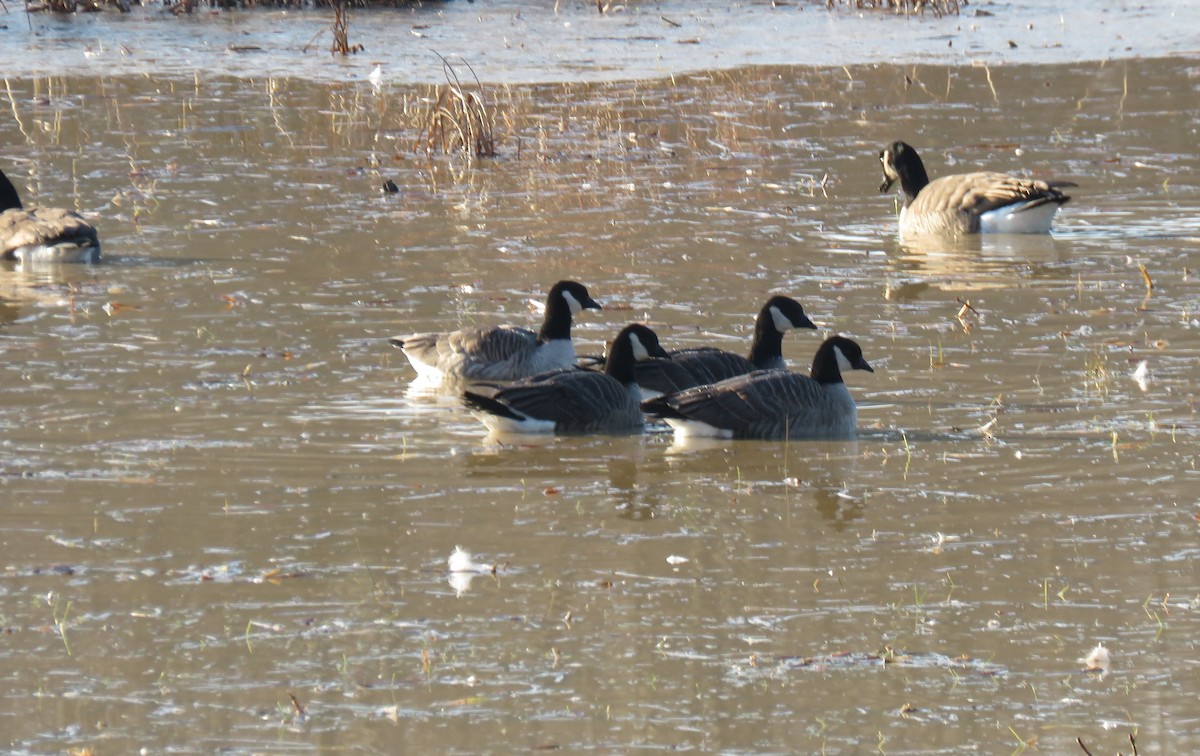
(771, 404)
(43, 234)
(501, 353)
(967, 203)
(572, 400)
(698, 366)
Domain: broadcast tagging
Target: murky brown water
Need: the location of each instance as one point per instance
(216, 492)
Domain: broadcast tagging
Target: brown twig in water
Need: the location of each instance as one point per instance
(296, 704)
(1132, 743)
(1146, 278)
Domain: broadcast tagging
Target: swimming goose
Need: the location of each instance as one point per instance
(501, 353)
(572, 400)
(43, 234)
(771, 404)
(967, 203)
(702, 365)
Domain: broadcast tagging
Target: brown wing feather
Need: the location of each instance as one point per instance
(980, 192)
(43, 226)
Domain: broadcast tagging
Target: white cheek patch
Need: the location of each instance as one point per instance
(782, 324)
(889, 163)
(640, 352)
(843, 363)
(573, 303)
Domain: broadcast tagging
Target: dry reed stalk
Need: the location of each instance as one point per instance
(459, 119)
(341, 31)
(939, 8)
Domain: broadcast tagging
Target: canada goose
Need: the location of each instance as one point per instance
(702, 365)
(501, 353)
(43, 234)
(967, 203)
(771, 404)
(572, 400)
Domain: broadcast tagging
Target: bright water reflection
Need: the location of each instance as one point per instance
(218, 492)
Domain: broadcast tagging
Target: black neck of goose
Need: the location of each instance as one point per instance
(9, 199)
(557, 323)
(621, 363)
(913, 177)
(768, 340)
(825, 366)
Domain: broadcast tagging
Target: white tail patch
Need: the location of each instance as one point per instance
(1019, 219)
(696, 429)
(506, 425)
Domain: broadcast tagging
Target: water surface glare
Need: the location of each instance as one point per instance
(218, 492)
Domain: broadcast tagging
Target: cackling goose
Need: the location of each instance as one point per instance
(501, 353)
(572, 400)
(771, 404)
(702, 365)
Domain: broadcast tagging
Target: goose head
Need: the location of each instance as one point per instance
(574, 294)
(901, 163)
(634, 342)
(787, 314)
(835, 355)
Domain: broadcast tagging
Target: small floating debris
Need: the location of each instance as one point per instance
(886, 658)
(463, 569)
(674, 560)
(1098, 660)
(462, 561)
(1141, 375)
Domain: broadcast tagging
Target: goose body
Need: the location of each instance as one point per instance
(501, 353)
(43, 234)
(771, 404)
(967, 203)
(572, 400)
(703, 365)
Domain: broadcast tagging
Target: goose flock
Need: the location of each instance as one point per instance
(518, 380)
(514, 381)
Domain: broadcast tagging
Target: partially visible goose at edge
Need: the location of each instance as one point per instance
(967, 203)
(501, 353)
(573, 400)
(702, 365)
(771, 404)
(43, 234)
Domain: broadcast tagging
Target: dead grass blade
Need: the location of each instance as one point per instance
(460, 118)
